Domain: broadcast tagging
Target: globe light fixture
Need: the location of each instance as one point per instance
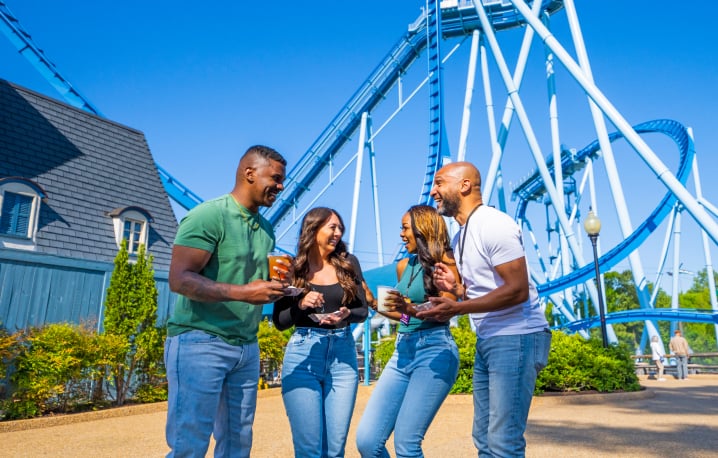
(592, 226)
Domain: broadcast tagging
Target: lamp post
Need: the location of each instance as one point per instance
(592, 225)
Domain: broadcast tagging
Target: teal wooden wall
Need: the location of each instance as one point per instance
(36, 289)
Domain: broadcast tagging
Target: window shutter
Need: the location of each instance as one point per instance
(15, 216)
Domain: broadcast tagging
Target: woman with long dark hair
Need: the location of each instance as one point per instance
(425, 363)
(319, 372)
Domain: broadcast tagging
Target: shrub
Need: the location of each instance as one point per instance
(576, 364)
(465, 339)
(383, 351)
(54, 369)
(9, 348)
(272, 343)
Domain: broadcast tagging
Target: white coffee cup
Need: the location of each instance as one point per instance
(382, 293)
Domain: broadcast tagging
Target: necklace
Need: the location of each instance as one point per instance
(250, 218)
(463, 236)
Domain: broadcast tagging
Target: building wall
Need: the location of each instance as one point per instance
(88, 167)
(38, 289)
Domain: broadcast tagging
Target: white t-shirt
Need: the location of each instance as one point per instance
(493, 238)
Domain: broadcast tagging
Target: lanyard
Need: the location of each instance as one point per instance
(463, 237)
(414, 273)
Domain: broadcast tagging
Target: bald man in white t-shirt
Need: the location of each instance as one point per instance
(513, 338)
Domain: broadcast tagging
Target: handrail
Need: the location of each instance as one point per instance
(692, 355)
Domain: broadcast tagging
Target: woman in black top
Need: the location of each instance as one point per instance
(319, 372)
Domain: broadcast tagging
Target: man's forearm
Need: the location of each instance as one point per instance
(198, 288)
(498, 299)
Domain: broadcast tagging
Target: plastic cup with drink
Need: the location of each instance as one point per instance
(279, 266)
(382, 295)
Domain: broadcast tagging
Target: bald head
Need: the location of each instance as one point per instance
(463, 171)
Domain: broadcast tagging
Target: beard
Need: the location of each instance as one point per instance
(449, 205)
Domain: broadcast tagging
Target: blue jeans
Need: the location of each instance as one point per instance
(682, 366)
(212, 389)
(410, 390)
(319, 387)
(505, 371)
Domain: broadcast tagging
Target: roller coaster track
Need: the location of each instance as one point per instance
(457, 19)
(455, 22)
(533, 189)
(627, 316)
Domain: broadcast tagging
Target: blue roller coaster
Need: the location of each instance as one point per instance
(563, 184)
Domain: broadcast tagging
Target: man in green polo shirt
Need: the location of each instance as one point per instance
(219, 269)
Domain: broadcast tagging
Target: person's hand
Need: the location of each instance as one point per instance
(284, 271)
(313, 299)
(336, 317)
(444, 278)
(395, 302)
(260, 292)
(443, 309)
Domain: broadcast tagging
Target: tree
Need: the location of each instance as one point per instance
(131, 313)
(701, 336)
(621, 295)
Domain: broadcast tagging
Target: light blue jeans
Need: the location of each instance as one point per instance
(505, 371)
(212, 389)
(681, 366)
(410, 390)
(319, 387)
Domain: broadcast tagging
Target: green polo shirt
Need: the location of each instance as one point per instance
(239, 242)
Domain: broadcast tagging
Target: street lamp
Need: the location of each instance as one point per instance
(592, 225)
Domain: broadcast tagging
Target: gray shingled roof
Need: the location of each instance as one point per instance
(88, 166)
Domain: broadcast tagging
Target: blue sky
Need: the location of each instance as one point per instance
(203, 82)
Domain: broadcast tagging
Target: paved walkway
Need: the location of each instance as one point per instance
(672, 418)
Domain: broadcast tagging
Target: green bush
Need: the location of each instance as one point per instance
(576, 364)
(465, 339)
(9, 347)
(383, 351)
(54, 369)
(151, 373)
(272, 343)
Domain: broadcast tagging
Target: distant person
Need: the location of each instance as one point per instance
(319, 372)
(513, 337)
(658, 356)
(680, 349)
(423, 368)
(219, 269)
